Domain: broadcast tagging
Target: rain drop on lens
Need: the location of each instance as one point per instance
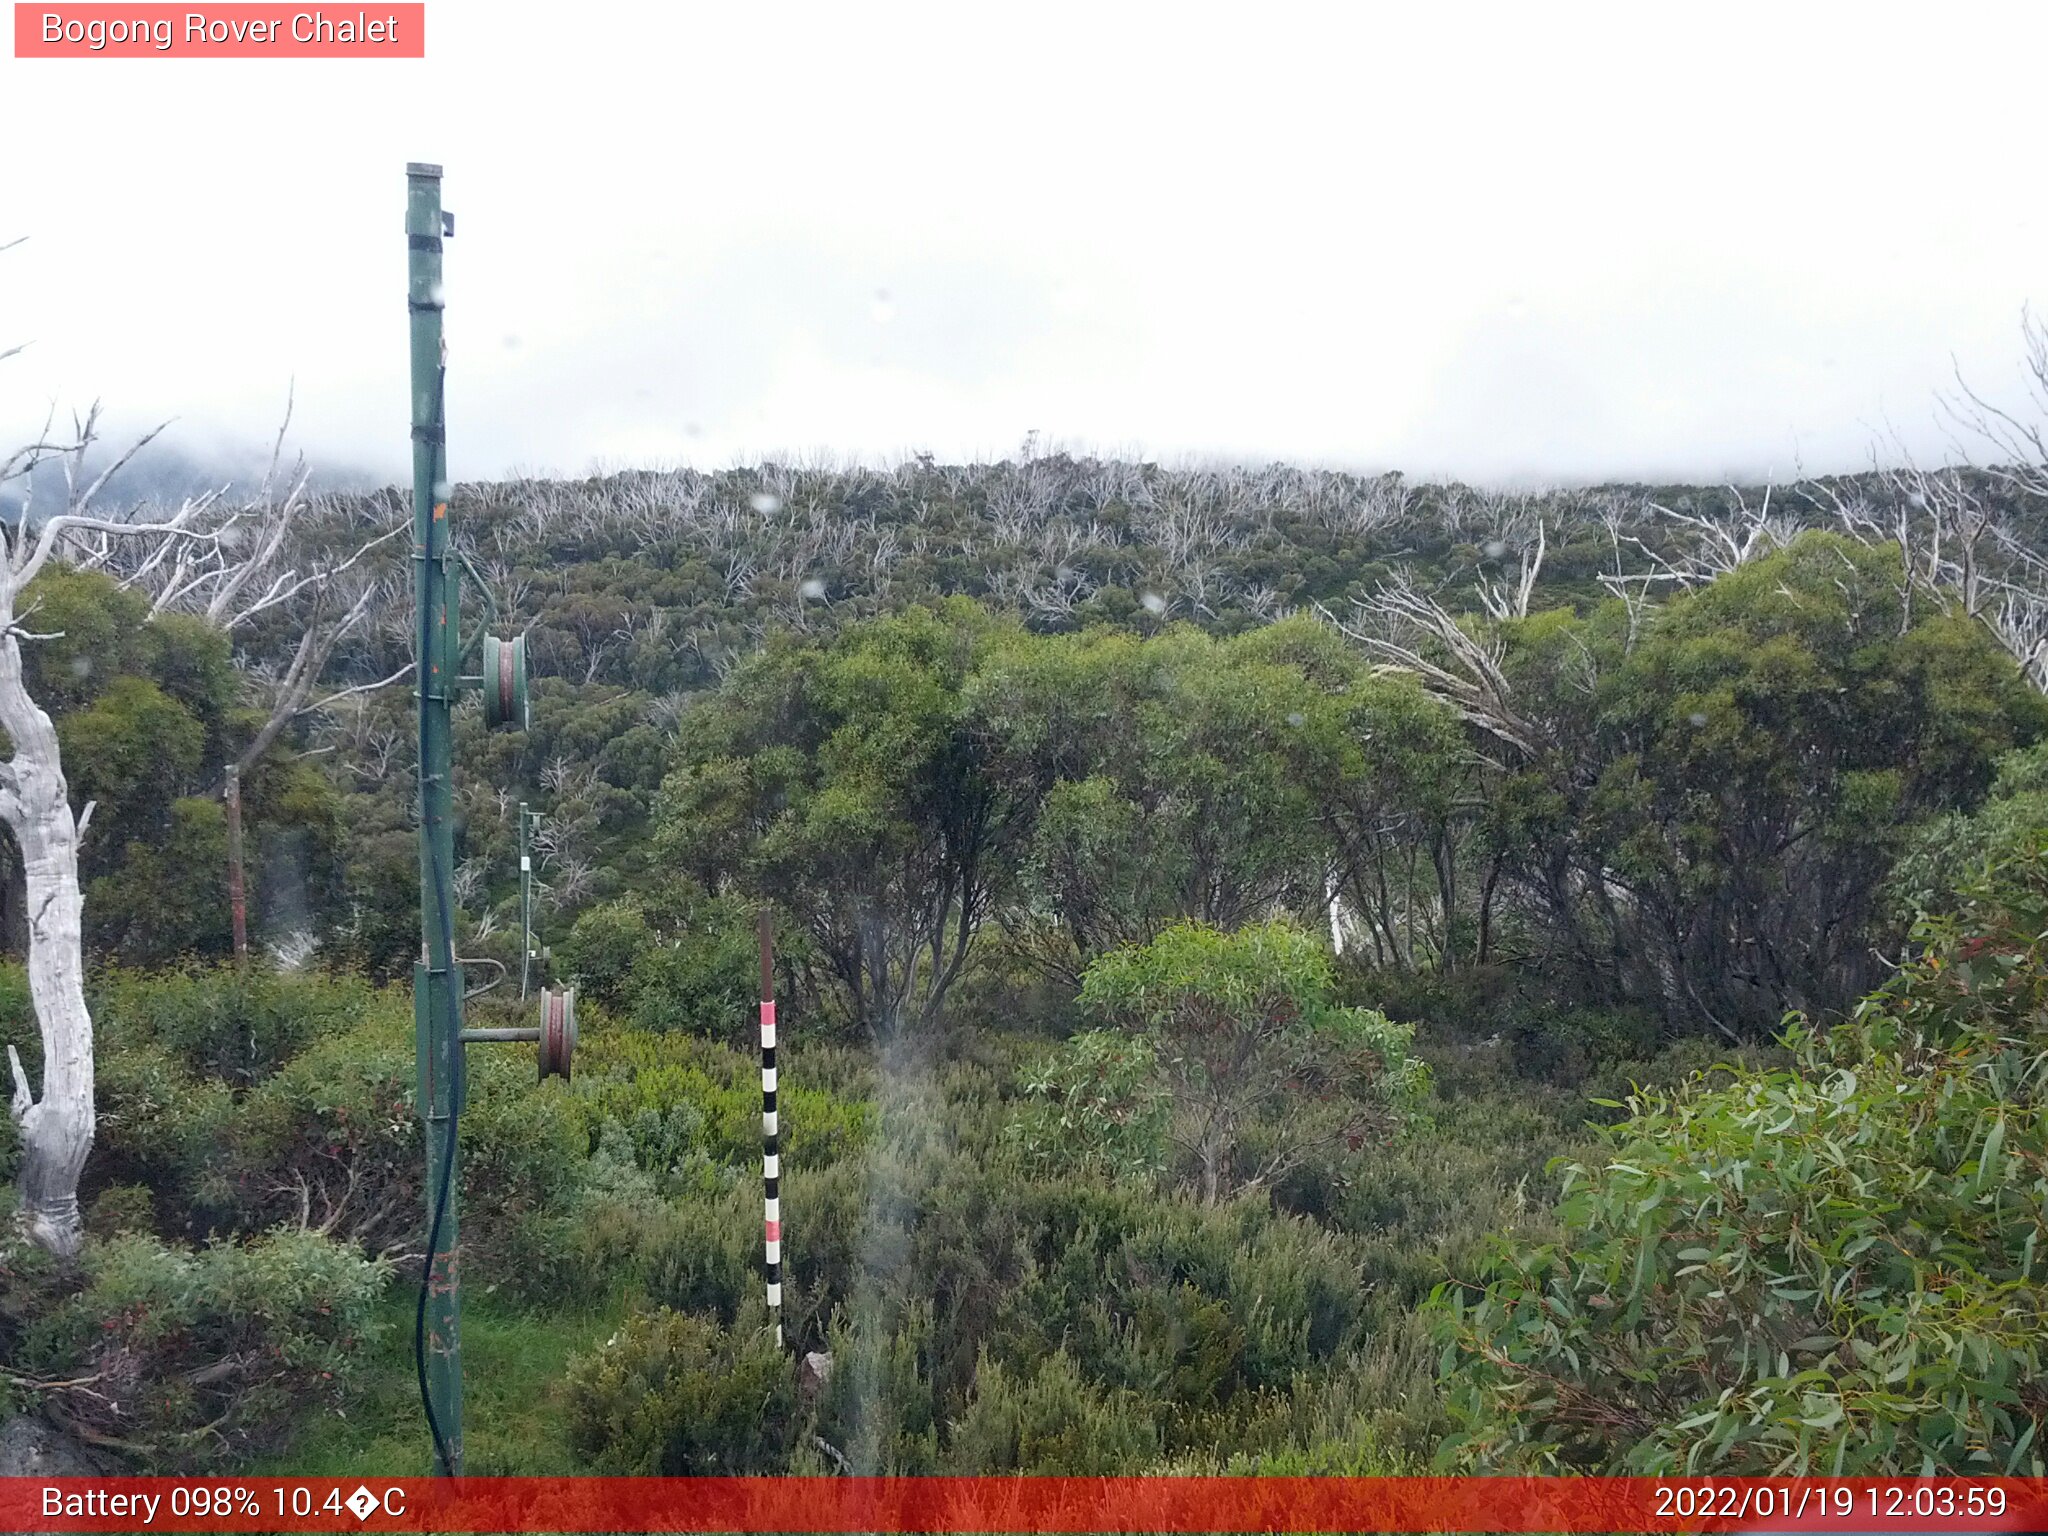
(1698, 718)
(812, 590)
(1495, 549)
(882, 307)
(1153, 603)
(440, 490)
(766, 504)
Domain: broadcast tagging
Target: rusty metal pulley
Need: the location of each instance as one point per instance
(557, 1031)
(504, 682)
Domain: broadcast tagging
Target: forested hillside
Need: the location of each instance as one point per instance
(1208, 901)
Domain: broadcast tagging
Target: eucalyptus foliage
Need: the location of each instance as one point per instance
(1838, 1267)
(1258, 1057)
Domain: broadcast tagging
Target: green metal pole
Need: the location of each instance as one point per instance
(437, 983)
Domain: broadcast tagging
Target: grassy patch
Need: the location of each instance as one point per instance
(513, 1365)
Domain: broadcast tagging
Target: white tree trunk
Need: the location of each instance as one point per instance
(186, 561)
(57, 1128)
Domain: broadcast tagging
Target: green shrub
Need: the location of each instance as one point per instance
(597, 1248)
(1954, 852)
(676, 1395)
(1050, 1420)
(1191, 1307)
(679, 1099)
(702, 982)
(707, 1257)
(1831, 1267)
(238, 1027)
(17, 1029)
(209, 1352)
(336, 1134)
(158, 1125)
(833, 1233)
(121, 1209)
(879, 1407)
(600, 951)
(1095, 1103)
(1263, 1067)
(690, 967)
(1567, 1045)
(335, 1138)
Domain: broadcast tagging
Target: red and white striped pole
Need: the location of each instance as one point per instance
(771, 1153)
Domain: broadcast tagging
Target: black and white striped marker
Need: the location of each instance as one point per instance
(771, 1153)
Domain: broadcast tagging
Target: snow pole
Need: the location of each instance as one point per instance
(771, 1141)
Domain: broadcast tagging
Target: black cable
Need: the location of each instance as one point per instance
(419, 1336)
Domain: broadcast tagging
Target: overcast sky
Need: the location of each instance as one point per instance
(1534, 243)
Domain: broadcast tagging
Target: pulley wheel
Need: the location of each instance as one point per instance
(504, 682)
(557, 1031)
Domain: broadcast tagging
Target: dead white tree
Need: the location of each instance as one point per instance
(2017, 439)
(200, 548)
(56, 1126)
(1409, 630)
(1502, 601)
(254, 565)
(1632, 587)
(1954, 526)
(1715, 543)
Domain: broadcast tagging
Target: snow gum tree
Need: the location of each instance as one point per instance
(226, 562)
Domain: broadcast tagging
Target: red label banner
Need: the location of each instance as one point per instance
(227, 31)
(1028, 1504)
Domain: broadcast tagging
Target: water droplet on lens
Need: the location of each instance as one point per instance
(1153, 603)
(766, 504)
(81, 666)
(882, 307)
(1698, 718)
(812, 590)
(1495, 549)
(1297, 718)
